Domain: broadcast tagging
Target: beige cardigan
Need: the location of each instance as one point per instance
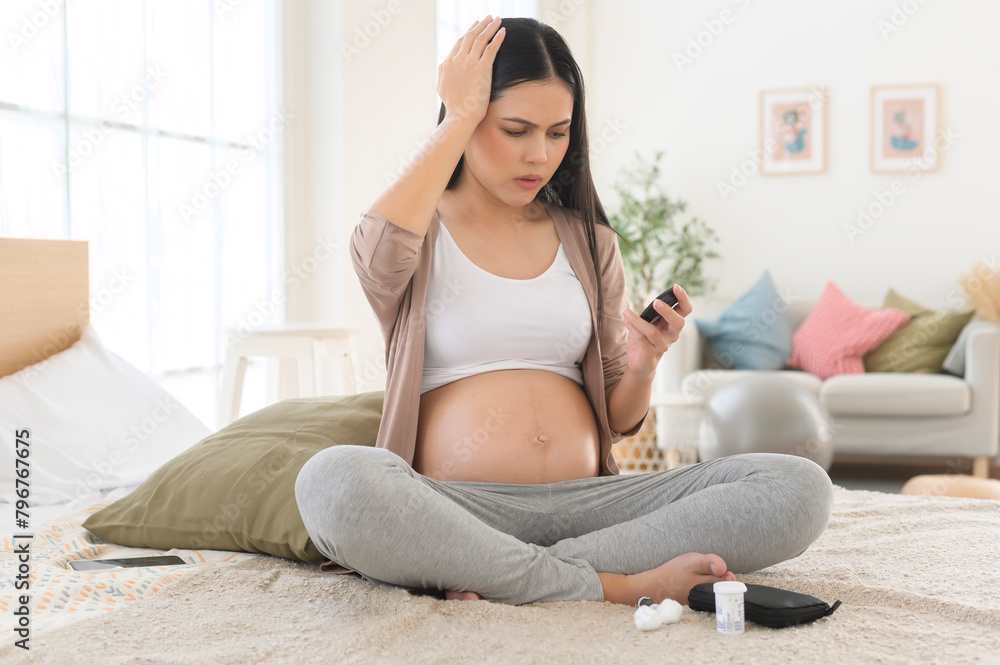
(394, 264)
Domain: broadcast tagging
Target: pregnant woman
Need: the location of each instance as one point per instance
(513, 365)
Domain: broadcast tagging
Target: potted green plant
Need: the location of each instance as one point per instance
(658, 250)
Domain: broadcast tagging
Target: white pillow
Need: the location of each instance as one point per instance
(954, 363)
(95, 422)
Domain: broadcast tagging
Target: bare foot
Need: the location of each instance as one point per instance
(675, 578)
(460, 595)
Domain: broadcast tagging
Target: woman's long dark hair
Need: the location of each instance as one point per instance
(533, 51)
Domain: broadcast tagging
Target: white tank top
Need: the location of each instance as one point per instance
(480, 322)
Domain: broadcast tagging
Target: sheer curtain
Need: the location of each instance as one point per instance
(153, 130)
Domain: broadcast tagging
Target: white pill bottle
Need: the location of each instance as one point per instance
(729, 616)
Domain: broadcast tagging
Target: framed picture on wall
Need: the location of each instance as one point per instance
(793, 131)
(904, 124)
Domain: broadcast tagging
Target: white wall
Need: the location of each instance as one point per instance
(706, 119)
(314, 166)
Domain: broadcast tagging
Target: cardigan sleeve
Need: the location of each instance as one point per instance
(614, 339)
(385, 257)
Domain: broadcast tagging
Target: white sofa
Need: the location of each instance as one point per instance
(876, 415)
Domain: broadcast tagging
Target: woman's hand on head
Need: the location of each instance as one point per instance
(466, 74)
(647, 342)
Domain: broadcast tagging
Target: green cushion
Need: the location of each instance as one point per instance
(923, 343)
(235, 489)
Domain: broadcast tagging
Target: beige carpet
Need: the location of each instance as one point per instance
(918, 577)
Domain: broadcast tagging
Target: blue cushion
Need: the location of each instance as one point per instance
(755, 332)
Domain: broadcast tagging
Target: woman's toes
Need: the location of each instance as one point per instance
(675, 578)
(716, 566)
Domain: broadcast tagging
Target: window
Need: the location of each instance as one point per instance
(153, 130)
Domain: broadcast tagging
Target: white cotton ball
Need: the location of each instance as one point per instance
(670, 610)
(647, 618)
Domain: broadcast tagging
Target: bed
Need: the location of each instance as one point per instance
(918, 576)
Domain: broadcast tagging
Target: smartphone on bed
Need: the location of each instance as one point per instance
(89, 565)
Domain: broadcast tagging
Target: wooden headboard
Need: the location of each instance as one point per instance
(44, 299)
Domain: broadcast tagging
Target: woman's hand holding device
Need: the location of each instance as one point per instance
(651, 333)
(465, 76)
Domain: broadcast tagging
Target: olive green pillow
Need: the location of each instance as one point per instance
(923, 343)
(235, 489)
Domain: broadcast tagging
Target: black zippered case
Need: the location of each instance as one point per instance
(768, 606)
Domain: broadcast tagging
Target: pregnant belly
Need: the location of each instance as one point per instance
(508, 426)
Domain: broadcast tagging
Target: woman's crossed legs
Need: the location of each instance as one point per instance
(512, 543)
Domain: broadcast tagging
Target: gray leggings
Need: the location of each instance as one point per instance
(512, 543)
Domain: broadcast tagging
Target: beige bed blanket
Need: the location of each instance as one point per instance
(919, 578)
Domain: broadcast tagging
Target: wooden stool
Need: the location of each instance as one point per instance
(953, 484)
(290, 348)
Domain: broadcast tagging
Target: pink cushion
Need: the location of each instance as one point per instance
(838, 333)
